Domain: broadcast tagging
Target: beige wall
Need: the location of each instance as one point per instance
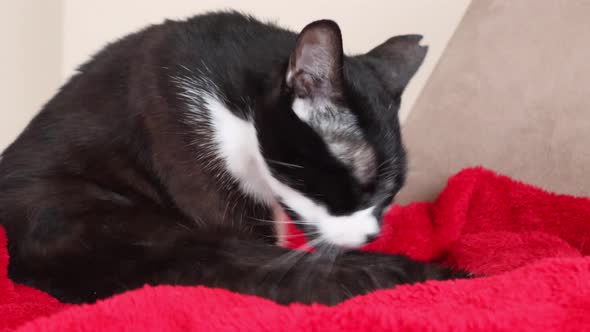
(52, 37)
(30, 60)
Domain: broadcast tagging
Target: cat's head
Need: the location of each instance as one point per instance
(331, 134)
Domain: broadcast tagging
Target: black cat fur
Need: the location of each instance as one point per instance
(105, 190)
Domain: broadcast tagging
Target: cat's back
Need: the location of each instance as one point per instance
(106, 104)
(121, 110)
(117, 125)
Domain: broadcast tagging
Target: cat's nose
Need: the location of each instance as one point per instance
(372, 237)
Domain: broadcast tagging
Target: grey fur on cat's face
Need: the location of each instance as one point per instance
(339, 129)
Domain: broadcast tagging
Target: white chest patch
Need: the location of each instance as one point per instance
(237, 144)
(239, 148)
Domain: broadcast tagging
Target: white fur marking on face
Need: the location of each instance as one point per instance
(346, 231)
(239, 147)
(339, 129)
(349, 231)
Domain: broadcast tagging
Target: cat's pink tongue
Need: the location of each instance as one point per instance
(289, 236)
(281, 218)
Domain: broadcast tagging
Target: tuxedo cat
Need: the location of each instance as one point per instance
(162, 159)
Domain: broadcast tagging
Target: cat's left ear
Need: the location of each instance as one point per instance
(315, 65)
(400, 57)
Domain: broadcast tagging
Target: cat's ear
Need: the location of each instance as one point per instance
(315, 65)
(400, 57)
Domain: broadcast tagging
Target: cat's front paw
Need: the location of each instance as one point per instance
(438, 272)
(391, 270)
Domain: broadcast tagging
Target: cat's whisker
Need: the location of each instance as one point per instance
(301, 222)
(330, 252)
(387, 162)
(283, 163)
(183, 226)
(291, 257)
(314, 243)
(293, 236)
(287, 257)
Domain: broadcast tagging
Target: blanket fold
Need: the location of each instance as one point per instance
(528, 246)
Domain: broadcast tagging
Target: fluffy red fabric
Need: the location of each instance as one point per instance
(529, 244)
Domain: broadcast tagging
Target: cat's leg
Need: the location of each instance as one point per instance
(94, 256)
(248, 267)
(244, 266)
(80, 241)
(79, 249)
(288, 276)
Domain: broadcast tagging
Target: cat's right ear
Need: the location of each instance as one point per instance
(315, 65)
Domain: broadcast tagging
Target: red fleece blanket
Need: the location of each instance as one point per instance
(529, 244)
